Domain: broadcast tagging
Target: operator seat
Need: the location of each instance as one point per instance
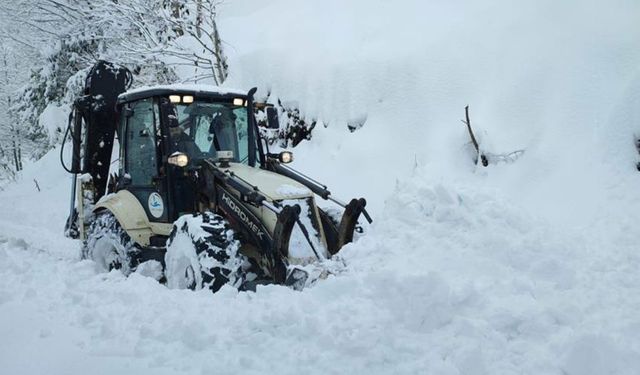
(181, 141)
(223, 128)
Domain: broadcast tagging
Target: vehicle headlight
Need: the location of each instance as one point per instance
(179, 159)
(285, 157)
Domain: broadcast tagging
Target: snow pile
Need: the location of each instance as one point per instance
(450, 280)
(517, 292)
(560, 80)
(54, 120)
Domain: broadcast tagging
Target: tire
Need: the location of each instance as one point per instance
(202, 253)
(109, 245)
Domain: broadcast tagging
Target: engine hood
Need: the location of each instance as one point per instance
(274, 186)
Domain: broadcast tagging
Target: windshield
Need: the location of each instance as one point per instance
(203, 128)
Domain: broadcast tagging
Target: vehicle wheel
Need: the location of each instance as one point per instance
(202, 253)
(108, 244)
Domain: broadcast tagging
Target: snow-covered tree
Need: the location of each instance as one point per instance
(11, 133)
(176, 33)
(59, 40)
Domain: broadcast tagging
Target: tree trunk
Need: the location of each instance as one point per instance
(199, 18)
(175, 12)
(221, 60)
(19, 154)
(15, 156)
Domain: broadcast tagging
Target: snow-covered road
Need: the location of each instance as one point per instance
(448, 281)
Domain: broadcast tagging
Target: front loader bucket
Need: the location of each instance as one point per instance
(330, 230)
(347, 226)
(291, 276)
(287, 218)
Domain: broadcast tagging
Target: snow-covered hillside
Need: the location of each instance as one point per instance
(523, 268)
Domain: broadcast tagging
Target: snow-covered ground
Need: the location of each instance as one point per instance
(523, 268)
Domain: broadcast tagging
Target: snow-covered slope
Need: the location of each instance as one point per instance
(545, 76)
(530, 267)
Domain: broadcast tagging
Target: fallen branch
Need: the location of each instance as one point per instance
(482, 157)
(504, 158)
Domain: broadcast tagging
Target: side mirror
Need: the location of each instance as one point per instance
(272, 118)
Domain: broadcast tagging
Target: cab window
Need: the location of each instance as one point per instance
(141, 157)
(207, 127)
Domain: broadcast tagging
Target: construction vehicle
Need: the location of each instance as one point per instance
(195, 198)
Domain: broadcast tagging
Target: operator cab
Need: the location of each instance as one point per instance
(197, 121)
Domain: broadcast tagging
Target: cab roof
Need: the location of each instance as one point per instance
(195, 90)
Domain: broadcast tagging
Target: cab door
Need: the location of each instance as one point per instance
(141, 158)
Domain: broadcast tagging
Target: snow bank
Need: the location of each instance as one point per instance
(451, 279)
(54, 120)
(553, 78)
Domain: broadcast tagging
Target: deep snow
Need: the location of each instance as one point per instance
(529, 267)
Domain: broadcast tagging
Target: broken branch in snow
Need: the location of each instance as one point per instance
(487, 158)
(503, 158)
(480, 155)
